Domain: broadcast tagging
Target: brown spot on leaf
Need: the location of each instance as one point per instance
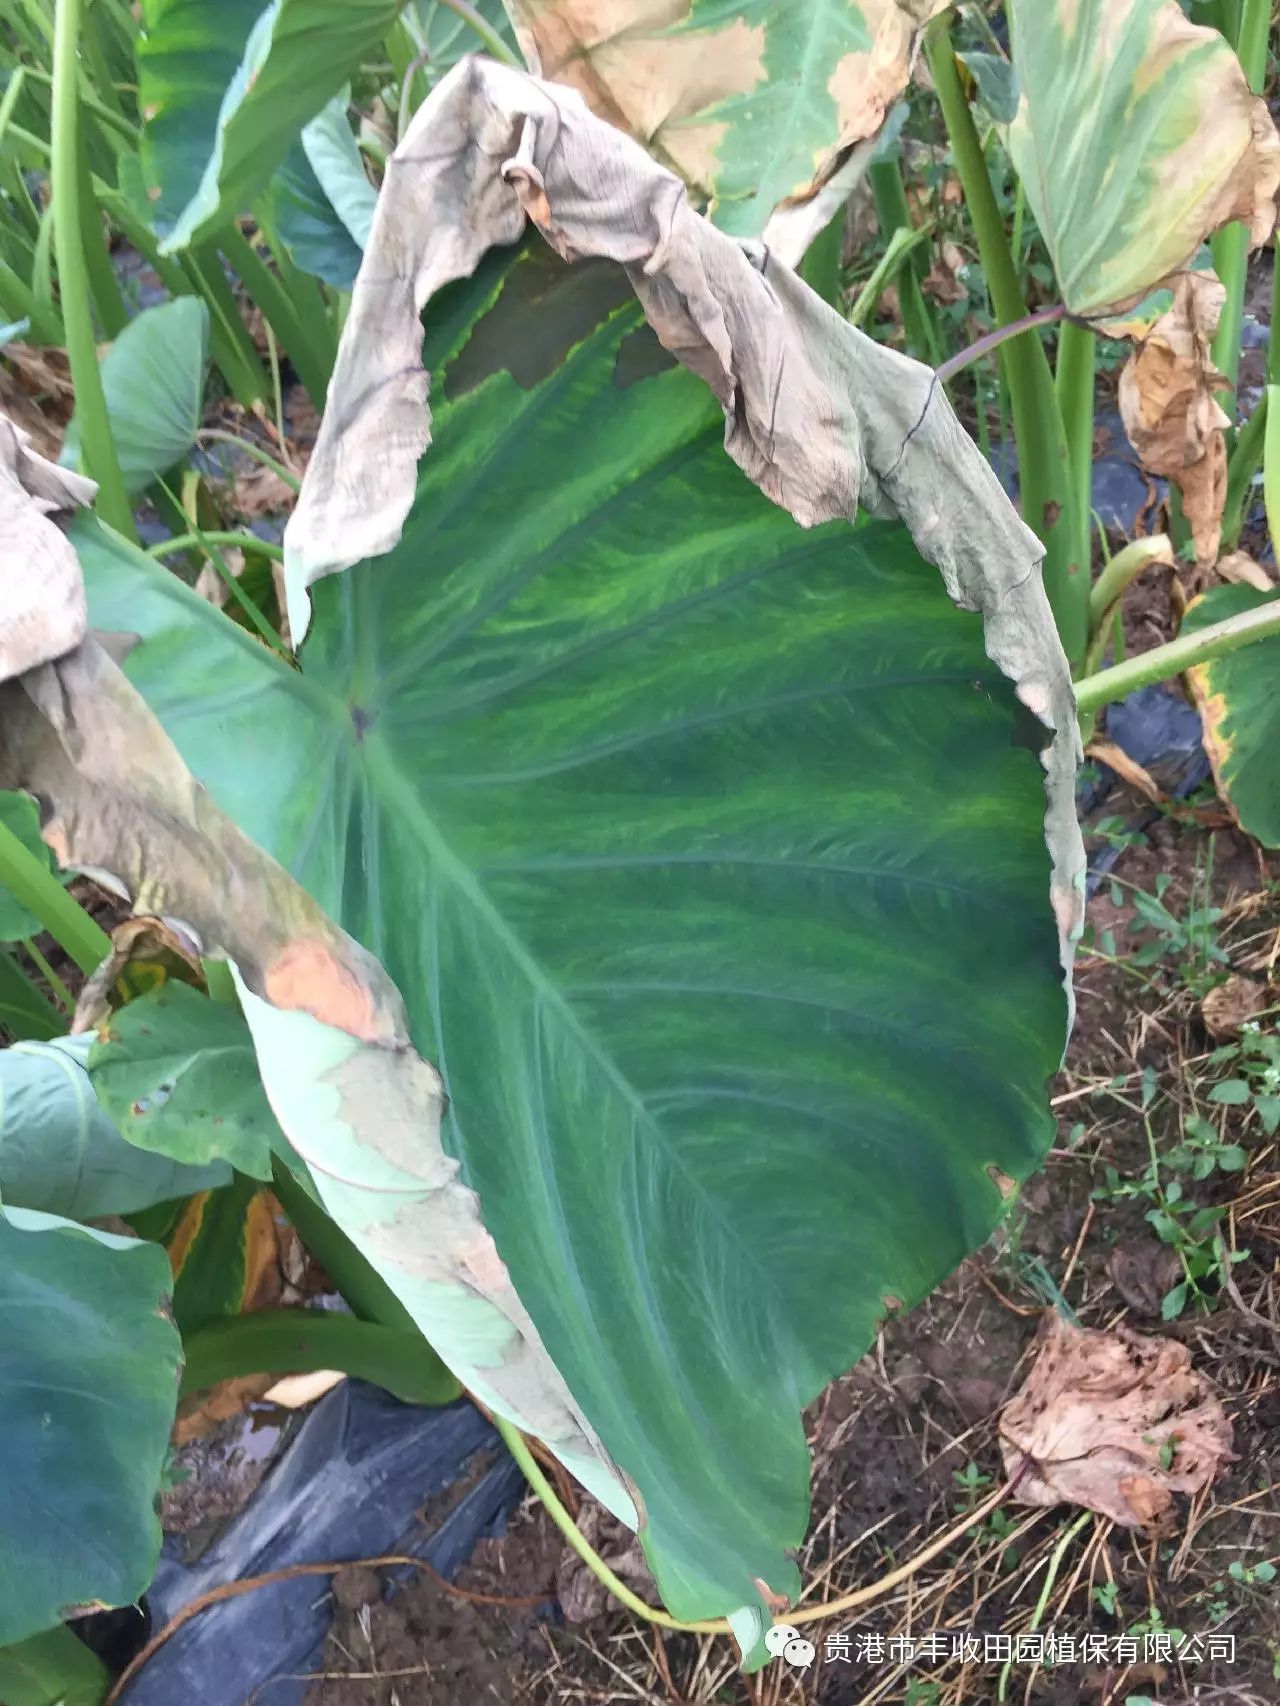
(1006, 1186)
(307, 978)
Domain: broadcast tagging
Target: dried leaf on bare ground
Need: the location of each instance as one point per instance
(942, 281)
(1230, 1005)
(260, 491)
(581, 1595)
(1114, 1421)
(1169, 404)
(1143, 1272)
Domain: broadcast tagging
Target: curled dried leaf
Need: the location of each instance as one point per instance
(1169, 404)
(1115, 1421)
(42, 611)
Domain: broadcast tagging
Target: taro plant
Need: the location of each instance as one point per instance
(627, 919)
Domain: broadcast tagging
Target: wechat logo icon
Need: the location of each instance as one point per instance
(784, 1642)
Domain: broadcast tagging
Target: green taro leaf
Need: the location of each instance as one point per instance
(320, 202)
(1240, 710)
(53, 1668)
(226, 87)
(59, 1151)
(447, 35)
(752, 102)
(18, 813)
(153, 376)
(89, 1363)
(709, 855)
(178, 1075)
(1136, 135)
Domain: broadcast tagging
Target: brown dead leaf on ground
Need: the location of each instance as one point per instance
(942, 281)
(260, 492)
(37, 394)
(1117, 1422)
(1232, 1004)
(581, 1594)
(1169, 404)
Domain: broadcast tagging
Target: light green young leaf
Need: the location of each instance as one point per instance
(89, 1365)
(153, 376)
(227, 86)
(1136, 135)
(60, 1153)
(176, 1072)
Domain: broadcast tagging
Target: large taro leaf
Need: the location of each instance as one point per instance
(709, 853)
(227, 85)
(754, 103)
(1136, 135)
(59, 1151)
(89, 1365)
(1240, 709)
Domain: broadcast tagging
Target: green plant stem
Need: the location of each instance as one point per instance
(493, 42)
(228, 336)
(300, 1341)
(108, 299)
(61, 993)
(903, 243)
(1171, 659)
(19, 302)
(363, 1288)
(918, 320)
(990, 341)
(1046, 1588)
(1112, 584)
(1246, 459)
(205, 542)
(517, 1446)
(1073, 385)
(98, 450)
(214, 435)
(246, 542)
(36, 888)
(1271, 461)
(1231, 244)
(1043, 465)
(306, 338)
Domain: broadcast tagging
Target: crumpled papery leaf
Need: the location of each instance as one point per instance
(755, 108)
(1169, 404)
(1115, 1421)
(75, 733)
(41, 592)
(819, 417)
